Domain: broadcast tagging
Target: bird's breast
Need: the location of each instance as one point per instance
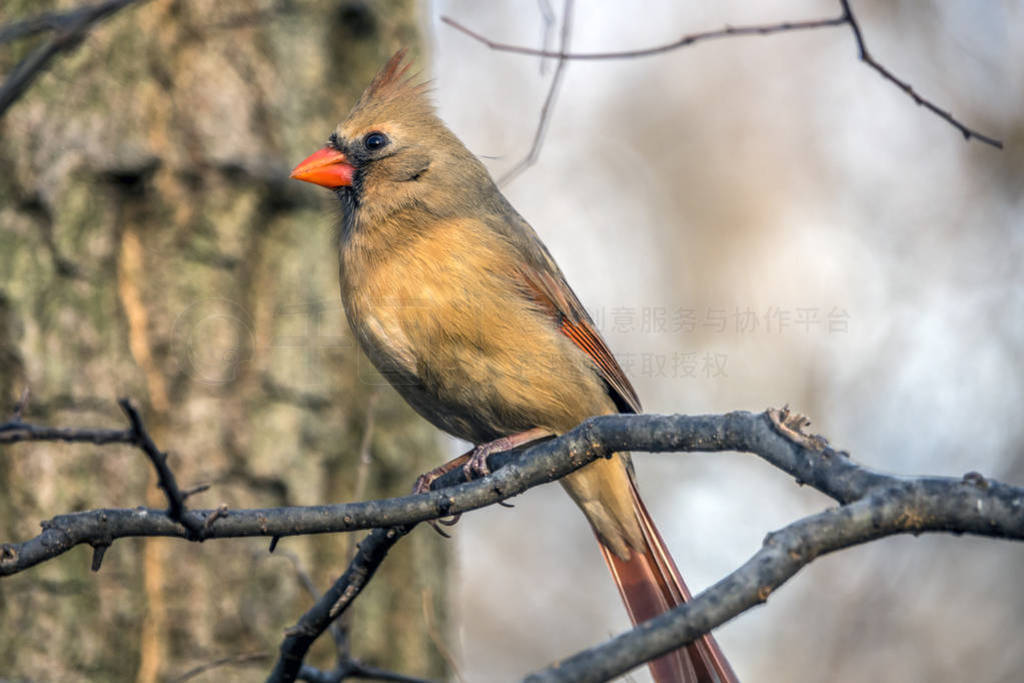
(418, 294)
(442, 317)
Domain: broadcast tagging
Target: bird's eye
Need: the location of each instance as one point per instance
(374, 141)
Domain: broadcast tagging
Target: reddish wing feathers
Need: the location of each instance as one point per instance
(553, 295)
(649, 581)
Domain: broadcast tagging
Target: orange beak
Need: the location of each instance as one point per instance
(327, 167)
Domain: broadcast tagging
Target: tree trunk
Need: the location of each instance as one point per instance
(152, 246)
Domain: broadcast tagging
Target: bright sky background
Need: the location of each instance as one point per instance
(780, 176)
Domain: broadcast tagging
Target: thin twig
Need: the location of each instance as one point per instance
(365, 450)
(549, 102)
(58, 21)
(684, 41)
(300, 571)
(429, 618)
(354, 669)
(866, 57)
(340, 628)
(21, 407)
(165, 477)
(17, 431)
(232, 660)
(69, 28)
(369, 555)
(547, 27)
(337, 633)
(846, 18)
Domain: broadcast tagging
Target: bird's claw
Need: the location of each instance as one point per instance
(426, 480)
(476, 466)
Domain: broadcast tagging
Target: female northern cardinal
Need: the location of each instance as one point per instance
(457, 302)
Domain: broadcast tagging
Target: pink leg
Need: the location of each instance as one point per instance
(424, 481)
(474, 464)
(477, 464)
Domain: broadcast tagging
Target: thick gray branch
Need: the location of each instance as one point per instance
(971, 505)
(872, 505)
(827, 470)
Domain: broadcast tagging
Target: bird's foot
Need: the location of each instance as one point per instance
(476, 466)
(426, 480)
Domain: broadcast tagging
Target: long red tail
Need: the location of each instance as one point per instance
(650, 584)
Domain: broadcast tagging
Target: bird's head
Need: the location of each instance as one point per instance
(393, 152)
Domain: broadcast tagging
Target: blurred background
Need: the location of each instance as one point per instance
(752, 222)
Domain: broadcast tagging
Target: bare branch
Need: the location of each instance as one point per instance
(369, 555)
(913, 506)
(549, 102)
(846, 18)
(827, 470)
(354, 669)
(59, 21)
(165, 478)
(232, 660)
(340, 628)
(547, 21)
(365, 443)
(883, 506)
(684, 41)
(69, 28)
(304, 578)
(873, 505)
(866, 57)
(433, 632)
(15, 431)
(340, 636)
(22, 405)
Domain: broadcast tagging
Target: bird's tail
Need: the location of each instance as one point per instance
(650, 584)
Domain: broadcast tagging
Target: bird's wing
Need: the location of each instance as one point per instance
(547, 287)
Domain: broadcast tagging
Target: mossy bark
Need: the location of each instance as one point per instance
(152, 246)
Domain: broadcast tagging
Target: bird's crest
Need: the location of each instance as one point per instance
(395, 83)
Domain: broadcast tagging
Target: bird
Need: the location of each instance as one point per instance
(459, 305)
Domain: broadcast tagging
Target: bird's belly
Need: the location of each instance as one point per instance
(464, 347)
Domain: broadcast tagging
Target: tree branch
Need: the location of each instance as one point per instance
(877, 505)
(873, 505)
(847, 17)
(165, 478)
(370, 552)
(549, 103)
(866, 57)
(16, 430)
(827, 470)
(69, 29)
(354, 669)
(683, 41)
(915, 506)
